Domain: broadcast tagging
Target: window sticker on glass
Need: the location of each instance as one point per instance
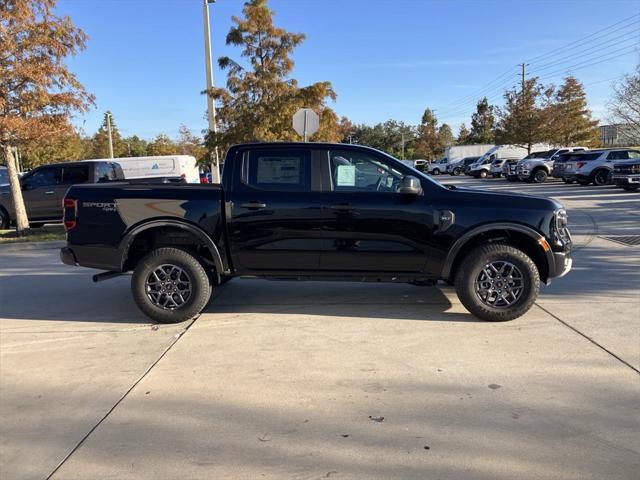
(284, 170)
(346, 176)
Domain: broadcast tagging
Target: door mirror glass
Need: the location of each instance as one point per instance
(410, 186)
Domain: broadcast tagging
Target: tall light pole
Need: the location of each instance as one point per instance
(109, 134)
(211, 107)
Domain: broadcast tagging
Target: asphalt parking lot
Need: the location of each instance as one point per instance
(329, 380)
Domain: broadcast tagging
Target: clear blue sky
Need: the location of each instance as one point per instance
(386, 59)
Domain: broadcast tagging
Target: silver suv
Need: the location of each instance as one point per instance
(539, 168)
(595, 166)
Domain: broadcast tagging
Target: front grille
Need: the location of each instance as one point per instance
(627, 169)
(629, 240)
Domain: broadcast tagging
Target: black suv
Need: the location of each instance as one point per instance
(317, 211)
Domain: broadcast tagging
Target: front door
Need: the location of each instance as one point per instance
(368, 225)
(275, 218)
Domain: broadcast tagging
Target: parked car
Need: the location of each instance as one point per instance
(537, 169)
(420, 164)
(510, 167)
(458, 168)
(44, 187)
(437, 167)
(483, 168)
(559, 164)
(160, 169)
(355, 214)
(595, 166)
(626, 174)
(4, 176)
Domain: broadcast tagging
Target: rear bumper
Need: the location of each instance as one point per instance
(103, 258)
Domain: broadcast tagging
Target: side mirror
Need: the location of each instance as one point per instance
(410, 186)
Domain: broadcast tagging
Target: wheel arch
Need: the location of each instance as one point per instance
(525, 238)
(152, 230)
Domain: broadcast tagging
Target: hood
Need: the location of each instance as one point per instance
(505, 200)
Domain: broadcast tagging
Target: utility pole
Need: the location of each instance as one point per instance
(524, 73)
(211, 106)
(109, 133)
(402, 134)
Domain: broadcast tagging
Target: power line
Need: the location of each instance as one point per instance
(587, 63)
(564, 47)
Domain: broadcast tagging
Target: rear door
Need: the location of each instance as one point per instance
(369, 226)
(71, 175)
(274, 213)
(39, 191)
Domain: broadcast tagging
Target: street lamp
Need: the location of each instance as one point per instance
(211, 107)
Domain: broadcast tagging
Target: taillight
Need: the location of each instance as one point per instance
(580, 164)
(69, 213)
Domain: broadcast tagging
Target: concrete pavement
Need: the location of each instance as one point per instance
(280, 379)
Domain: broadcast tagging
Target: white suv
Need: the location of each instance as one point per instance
(595, 166)
(538, 169)
(437, 167)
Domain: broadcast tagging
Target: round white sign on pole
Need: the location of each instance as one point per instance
(306, 122)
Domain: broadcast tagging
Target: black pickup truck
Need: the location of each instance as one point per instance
(316, 211)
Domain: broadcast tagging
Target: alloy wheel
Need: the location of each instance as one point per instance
(499, 284)
(168, 287)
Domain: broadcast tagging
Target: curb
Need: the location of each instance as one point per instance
(21, 246)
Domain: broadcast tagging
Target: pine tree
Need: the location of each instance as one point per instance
(445, 136)
(100, 140)
(522, 121)
(428, 145)
(570, 121)
(483, 123)
(464, 135)
(260, 98)
(136, 147)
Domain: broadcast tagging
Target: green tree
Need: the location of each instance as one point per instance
(523, 120)
(570, 118)
(428, 145)
(135, 146)
(66, 147)
(464, 135)
(483, 123)
(38, 93)
(260, 97)
(162, 145)
(100, 140)
(190, 144)
(445, 136)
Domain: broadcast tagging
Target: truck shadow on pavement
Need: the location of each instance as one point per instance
(337, 299)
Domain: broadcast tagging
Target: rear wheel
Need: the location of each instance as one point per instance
(435, 171)
(457, 171)
(482, 174)
(601, 177)
(540, 175)
(497, 282)
(170, 285)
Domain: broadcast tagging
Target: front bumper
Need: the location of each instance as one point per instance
(562, 263)
(628, 179)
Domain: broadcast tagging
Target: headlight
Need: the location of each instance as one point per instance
(635, 168)
(562, 220)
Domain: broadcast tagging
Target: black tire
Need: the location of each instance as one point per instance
(198, 280)
(600, 177)
(482, 174)
(539, 175)
(436, 171)
(630, 188)
(5, 221)
(456, 172)
(471, 269)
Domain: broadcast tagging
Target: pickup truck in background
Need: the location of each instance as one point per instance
(44, 187)
(316, 211)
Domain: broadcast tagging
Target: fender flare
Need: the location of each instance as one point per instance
(126, 242)
(460, 242)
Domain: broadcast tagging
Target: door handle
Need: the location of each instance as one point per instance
(50, 192)
(253, 205)
(342, 206)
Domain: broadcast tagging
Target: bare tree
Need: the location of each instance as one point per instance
(625, 106)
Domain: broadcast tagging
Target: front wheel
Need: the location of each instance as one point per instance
(170, 285)
(601, 177)
(497, 282)
(456, 172)
(435, 172)
(483, 174)
(540, 176)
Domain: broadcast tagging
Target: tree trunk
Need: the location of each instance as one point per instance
(22, 222)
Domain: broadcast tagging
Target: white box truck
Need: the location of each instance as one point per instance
(169, 167)
(454, 154)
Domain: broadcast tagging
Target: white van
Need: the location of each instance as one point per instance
(165, 166)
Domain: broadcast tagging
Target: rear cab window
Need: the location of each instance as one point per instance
(75, 174)
(278, 169)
